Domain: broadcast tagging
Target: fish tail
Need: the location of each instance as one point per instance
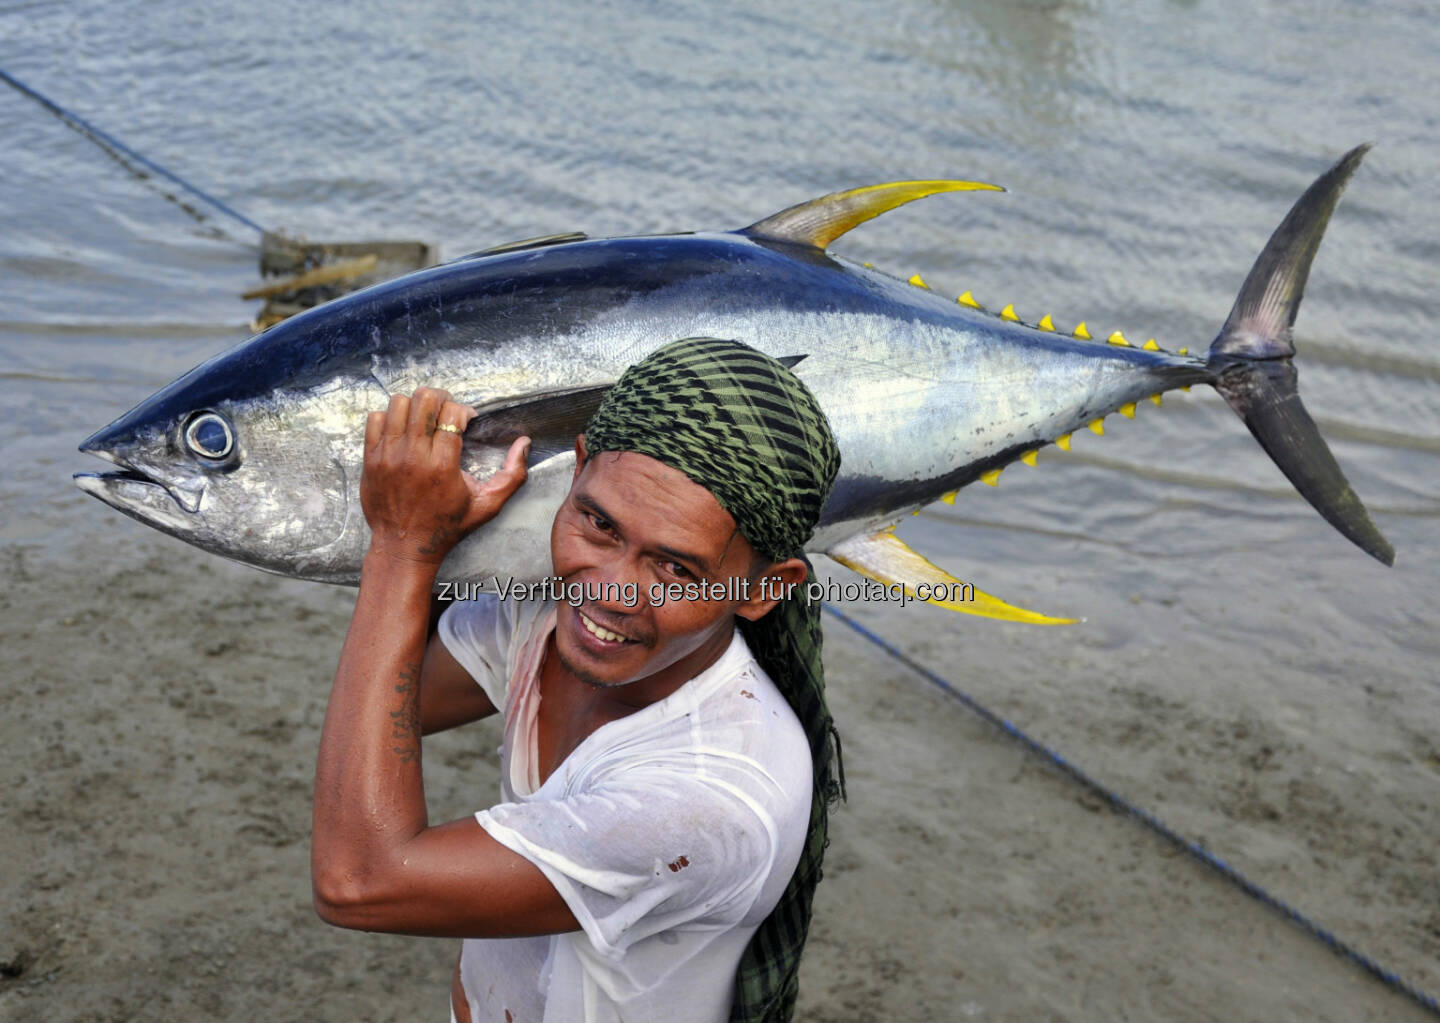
(1251, 361)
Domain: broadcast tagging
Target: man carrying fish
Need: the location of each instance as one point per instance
(666, 768)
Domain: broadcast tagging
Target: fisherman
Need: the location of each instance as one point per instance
(667, 764)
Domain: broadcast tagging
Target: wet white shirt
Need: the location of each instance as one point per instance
(670, 833)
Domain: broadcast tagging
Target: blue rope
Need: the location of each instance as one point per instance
(84, 126)
(1119, 802)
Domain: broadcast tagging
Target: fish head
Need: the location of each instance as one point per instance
(265, 475)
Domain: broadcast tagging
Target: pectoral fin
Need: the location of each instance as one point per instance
(884, 557)
(551, 419)
(820, 221)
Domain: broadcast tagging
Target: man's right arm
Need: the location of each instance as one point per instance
(448, 694)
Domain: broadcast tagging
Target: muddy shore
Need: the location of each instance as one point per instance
(162, 715)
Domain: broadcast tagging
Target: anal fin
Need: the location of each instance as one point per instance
(884, 557)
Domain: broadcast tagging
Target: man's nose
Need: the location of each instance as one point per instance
(620, 588)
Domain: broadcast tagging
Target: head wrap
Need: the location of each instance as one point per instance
(744, 427)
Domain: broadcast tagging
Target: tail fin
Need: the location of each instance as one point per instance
(1251, 361)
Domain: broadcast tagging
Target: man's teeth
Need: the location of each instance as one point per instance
(603, 633)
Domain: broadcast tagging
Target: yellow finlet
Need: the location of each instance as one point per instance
(1046, 323)
(884, 557)
(1008, 313)
(868, 266)
(820, 221)
(1081, 332)
(1028, 457)
(991, 478)
(1150, 346)
(1185, 388)
(968, 299)
(1063, 442)
(1184, 351)
(1128, 410)
(950, 497)
(1097, 426)
(919, 282)
(1156, 399)
(1118, 338)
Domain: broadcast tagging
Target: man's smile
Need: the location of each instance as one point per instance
(600, 632)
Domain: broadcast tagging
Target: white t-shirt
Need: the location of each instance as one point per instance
(670, 833)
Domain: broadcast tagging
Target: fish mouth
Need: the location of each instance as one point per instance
(140, 496)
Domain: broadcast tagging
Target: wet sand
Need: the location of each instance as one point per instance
(163, 717)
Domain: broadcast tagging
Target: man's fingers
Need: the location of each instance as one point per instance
(489, 496)
(374, 428)
(518, 455)
(397, 415)
(424, 410)
(450, 422)
(507, 478)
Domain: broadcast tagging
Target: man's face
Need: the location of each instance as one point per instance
(630, 524)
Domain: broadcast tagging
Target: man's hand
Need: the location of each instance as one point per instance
(416, 498)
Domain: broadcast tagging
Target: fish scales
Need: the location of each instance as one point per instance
(256, 454)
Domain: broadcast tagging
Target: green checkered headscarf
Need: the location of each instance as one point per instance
(744, 427)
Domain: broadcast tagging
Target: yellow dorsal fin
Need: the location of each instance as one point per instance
(884, 557)
(968, 299)
(1150, 346)
(919, 282)
(1028, 457)
(1118, 338)
(1063, 442)
(1008, 313)
(820, 221)
(1128, 410)
(1097, 426)
(1046, 323)
(1081, 332)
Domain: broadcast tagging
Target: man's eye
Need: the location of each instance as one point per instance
(601, 524)
(678, 570)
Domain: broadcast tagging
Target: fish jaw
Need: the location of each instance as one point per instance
(143, 499)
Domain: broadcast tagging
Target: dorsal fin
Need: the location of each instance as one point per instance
(820, 221)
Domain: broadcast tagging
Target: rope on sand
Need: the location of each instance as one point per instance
(108, 141)
(1119, 802)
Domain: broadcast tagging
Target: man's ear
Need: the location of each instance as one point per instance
(579, 457)
(772, 585)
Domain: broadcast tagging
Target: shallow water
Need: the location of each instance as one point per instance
(1148, 152)
(1148, 149)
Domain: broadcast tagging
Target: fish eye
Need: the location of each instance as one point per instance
(209, 435)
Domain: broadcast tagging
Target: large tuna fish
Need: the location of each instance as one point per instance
(256, 454)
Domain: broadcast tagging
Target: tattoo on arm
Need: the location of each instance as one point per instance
(444, 535)
(405, 722)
